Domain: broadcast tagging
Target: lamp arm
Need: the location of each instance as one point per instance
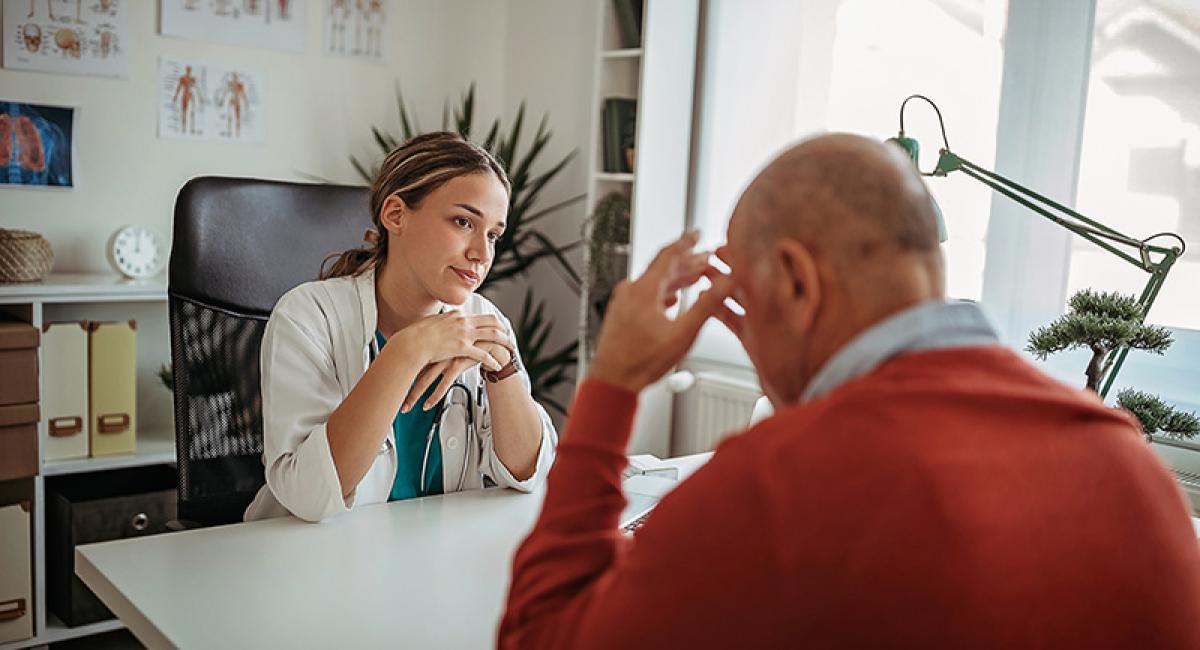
(1093, 231)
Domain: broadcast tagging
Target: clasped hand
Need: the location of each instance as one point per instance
(449, 344)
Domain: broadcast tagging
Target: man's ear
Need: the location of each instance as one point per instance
(392, 214)
(797, 285)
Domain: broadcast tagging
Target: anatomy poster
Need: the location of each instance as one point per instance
(208, 101)
(37, 145)
(354, 28)
(85, 37)
(270, 24)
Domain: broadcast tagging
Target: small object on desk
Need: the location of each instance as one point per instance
(649, 465)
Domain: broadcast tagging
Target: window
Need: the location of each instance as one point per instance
(1140, 163)
(1091, 100)
(774, 72)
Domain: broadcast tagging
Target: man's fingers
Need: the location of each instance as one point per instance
(482, 357)
(660, 267)
(710, 303)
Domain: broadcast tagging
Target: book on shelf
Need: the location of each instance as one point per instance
(629, 22)
(620, 132)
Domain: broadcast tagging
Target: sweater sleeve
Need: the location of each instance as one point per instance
(578, 583)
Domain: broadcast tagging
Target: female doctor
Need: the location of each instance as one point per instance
(390, 378)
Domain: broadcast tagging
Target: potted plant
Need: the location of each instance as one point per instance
(522, 245)
(1103, 322)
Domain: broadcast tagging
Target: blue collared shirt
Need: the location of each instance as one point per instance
(933, 325)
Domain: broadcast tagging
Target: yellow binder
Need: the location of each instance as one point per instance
(112, 384)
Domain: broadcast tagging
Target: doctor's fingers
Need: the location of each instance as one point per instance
(454, 368)
(425, 379)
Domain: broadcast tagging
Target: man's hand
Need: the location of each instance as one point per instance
(638, 342)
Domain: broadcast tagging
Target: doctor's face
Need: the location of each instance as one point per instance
(447, 243)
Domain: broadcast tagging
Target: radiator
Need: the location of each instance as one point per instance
(1190, 484)
(715, 406)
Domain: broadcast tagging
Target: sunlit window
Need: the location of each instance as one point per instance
(1139, 170)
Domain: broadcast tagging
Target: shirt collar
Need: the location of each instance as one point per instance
(932, 325)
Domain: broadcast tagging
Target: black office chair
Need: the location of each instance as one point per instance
(239, 245)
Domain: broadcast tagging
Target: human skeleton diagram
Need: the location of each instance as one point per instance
(50, 9)
(186, 97)
(33, 150)
(339, 12)
(232, 94)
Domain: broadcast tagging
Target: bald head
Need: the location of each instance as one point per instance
(855, 202)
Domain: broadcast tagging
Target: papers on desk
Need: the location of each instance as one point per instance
(649, 465)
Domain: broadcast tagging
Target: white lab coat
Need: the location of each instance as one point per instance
(314, 350)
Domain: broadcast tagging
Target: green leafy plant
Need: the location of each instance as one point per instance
(609, 240)
(1104, 322)
(522, 245)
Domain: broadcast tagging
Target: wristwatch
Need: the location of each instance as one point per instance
(508, 370)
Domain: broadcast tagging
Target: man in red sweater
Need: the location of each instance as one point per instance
(919, 485)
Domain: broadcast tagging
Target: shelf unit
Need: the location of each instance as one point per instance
(661, 76)
(95, 296)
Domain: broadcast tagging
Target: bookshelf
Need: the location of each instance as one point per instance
(66, 297)
(658, 72)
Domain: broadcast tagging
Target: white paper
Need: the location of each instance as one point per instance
(210, 101)
(84, 37)
(355, 28)
(269, 24)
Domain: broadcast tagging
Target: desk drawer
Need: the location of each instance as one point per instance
(99, 507)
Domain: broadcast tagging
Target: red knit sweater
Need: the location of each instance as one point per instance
(953, 498)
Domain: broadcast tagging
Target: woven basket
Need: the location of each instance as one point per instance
(24, 256)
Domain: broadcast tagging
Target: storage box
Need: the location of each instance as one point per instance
(18, 441)
(16, 574)
(18, 358)
(98, 507)
(112, 387)
(65, 390)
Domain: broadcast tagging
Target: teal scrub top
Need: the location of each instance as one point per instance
(411, 430)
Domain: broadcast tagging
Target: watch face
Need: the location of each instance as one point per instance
(137, 252)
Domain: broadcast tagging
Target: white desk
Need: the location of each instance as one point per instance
(424, 573)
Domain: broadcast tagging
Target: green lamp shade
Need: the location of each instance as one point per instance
(913, 149)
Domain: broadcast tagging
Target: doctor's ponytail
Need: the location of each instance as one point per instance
(412, 171)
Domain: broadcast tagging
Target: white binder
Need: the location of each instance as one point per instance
(65, 390)
(16, 575)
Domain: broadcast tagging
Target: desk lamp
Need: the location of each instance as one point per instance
(1153, 259)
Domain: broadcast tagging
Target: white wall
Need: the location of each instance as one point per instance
(318, 112)
(549, 62)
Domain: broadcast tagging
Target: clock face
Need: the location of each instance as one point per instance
(137, 252)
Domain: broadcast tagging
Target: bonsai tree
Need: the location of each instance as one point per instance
(522, 245)
(1103, 323)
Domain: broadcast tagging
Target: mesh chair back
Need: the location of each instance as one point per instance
(239, 244)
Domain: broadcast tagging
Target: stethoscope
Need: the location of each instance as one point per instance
(437, 423)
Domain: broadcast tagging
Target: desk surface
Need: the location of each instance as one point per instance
(424, 573)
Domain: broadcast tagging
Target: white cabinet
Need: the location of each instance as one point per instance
(70, 299)
(660, 75)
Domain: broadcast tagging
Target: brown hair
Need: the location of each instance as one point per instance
(411, 171)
